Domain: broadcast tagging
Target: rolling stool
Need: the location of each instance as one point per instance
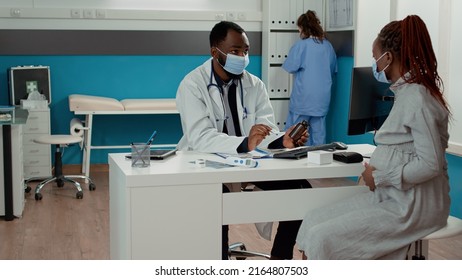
(452, 228)
(61, 141)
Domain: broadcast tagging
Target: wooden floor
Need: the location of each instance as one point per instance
(61, 227)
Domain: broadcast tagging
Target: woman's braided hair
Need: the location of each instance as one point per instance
(409, 41)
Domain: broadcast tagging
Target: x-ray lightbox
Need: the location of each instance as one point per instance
(25, 79)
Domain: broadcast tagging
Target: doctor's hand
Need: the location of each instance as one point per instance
(367, 176)
(257, 133)
(289, 143)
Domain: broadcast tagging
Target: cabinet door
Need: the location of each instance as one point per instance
(17, 172)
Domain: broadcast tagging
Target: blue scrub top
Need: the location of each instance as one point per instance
(313, 64)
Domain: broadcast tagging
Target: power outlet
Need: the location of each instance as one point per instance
(15, 12)
(87, 13)
(231, 16)
(100, 13)
(76, 13)
(220, 16)
(241, 16)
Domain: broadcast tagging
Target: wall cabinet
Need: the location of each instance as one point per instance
(279, 33)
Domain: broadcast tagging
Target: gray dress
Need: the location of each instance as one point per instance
(412, 195)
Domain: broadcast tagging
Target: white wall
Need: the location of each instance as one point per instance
(428, 10)
(371, 17)
(128, 14)
(453, 83)
(245, 5)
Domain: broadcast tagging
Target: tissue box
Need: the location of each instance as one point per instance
(34, 104)
(320, 157)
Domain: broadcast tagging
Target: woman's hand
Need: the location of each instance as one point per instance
(289, 143)
(367, 176)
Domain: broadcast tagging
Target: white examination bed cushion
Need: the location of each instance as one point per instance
(148, 104)
(82, 102)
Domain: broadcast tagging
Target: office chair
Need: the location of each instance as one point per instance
(238, 250)
(60, 141)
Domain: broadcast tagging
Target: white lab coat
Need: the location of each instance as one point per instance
(202, 111)
(202, 117)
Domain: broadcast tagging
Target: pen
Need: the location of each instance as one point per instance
(153, 135)
(148, 144)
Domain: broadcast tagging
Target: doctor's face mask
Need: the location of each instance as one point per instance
(234, 64)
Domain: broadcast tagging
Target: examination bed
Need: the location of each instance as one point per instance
(90, 105)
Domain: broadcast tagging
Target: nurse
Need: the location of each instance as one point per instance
(313, 62)
(224, 108)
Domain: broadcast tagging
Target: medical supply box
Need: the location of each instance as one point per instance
(319, 157)
(23, 80)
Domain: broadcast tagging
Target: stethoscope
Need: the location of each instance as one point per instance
(220, 89)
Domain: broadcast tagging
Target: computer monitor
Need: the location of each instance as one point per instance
(370, 102)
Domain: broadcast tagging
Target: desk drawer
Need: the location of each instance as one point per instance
(38, 116)
(36, 171)
(37, 128)
(29, 139)
(36, 149)
(37, 160)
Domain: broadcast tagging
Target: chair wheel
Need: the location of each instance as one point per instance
(27, 189)
(79, 195)
(242, 248)
(38, 196)
(60, 183)
(92, 187)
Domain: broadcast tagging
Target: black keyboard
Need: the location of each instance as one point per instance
(301, 152)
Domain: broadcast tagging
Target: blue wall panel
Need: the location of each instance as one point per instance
(455, 182)
(337, 119)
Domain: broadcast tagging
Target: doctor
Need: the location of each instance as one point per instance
(224, 108)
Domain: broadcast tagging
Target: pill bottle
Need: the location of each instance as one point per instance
(298, 130)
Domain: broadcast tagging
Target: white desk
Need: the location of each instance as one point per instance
(175, 210)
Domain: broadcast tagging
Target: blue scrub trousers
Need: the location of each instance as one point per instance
(316, 129)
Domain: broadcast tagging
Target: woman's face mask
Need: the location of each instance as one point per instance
(379, 76)
(235, 64)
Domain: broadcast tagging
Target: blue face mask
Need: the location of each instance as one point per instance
(379, 76)
(235, 64)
